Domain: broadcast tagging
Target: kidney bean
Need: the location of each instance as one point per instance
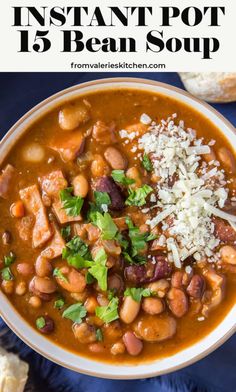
(133, 345)
(43, 267)
(44, 285)
(152, 305)
(196, 286)
(49, 325)
(107, 184)
(25, 269)
(155, 328)
(115, 159)
(228, 254)
(177, 302)
(149, 272)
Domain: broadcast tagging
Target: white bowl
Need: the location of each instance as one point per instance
(66, 358)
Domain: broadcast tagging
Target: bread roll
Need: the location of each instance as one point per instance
(211, 86)
(13, 372)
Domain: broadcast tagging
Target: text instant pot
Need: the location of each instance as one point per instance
(78, 28)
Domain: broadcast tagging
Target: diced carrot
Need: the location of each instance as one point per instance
(17, 209)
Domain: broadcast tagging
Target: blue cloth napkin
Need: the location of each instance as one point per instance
(216, 373)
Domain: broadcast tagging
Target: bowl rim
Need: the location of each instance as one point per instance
(59, 95)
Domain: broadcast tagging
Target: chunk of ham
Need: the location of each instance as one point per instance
(55, 246)
(69, 146)
(6, 181)
(52, 183)
(61, 215)
(33, 203)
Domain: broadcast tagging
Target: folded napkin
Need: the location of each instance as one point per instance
(215, 373)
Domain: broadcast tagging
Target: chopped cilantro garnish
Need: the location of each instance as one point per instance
(137, 197)
(99, 335)
(71, 204)
(75, 313)
(102, 199)
(106, 225)
(119, 176)
(146, 162)
(139, 259)
(137, 293)
(111, 294)
(9, 259)
(89, 278)
(40, 322)
(99, 270)
(7, 274)
(108, 313)
(58, 274)
(77, 253)
(59, 303)
(65, 232)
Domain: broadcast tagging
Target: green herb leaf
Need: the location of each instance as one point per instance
(108, 313)
(106, 225)
(137, 293)
(147, 164)
(65, 232)
(102, 198)
(59, 303)
(72, 204)
(8, 260)
(89, 278)
(99, 270)
(111, 294)
(138, 239)
(137, 197)
(75, 312)
(99, 335)
(77, 253)
(58, 274)
(119, 176)
(40, 322)
(138, 260)
(7, 274)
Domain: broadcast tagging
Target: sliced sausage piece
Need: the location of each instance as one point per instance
(177, 302)
(133, 345)
(115, 159)
(33, 203)
(107, 184)
(53, 183)
(196, 286)
(69, 146)
(55, 246)
(224, 231)
(155, 328)
(6, 181)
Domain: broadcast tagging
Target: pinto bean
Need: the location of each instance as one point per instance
(71, 116)
(75, 281)
(107, 184)
(227, 159)
(25, 269)
(115, 159)
(180, 279)
(43, 267)
(152, 305)
(228, 254)
(129, 310)
(155, 328)
(160, 287)
(112, 331)
(117, 348)
(80, 186)
(99, 167)
(177, 302)
(44, 285)
(115, 282)
(196, 286)
(84, 333)
(133, 345)
(224, 231)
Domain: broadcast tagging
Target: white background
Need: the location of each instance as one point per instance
(55, 60)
